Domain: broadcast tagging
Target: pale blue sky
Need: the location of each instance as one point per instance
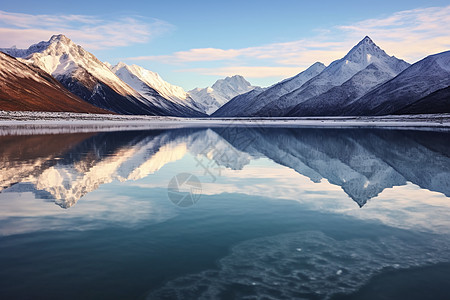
(193, 43)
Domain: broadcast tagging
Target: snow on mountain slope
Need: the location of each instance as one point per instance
(150, 84)
(87, 77)
(419, 80)
(209, 99)
(26, 87)
(333, 102)
(338, 72)
(61, 56)
(151, 79)
(249, 103)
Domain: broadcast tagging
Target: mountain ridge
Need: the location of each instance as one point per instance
(86, 76)
(339, 71)
(366, 81)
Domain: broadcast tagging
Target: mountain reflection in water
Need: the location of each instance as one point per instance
(363, 162)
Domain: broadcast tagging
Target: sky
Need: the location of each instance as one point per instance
(194, 43)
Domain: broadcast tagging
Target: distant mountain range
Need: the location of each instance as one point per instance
(212, 98)
(366, 81)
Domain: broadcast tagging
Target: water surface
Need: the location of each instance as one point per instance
(280, 213)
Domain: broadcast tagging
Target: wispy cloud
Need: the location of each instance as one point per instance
(246, 71)
(410, 35)
(279, 52)
(93, 32)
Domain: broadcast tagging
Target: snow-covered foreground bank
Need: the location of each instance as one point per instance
(20, 122)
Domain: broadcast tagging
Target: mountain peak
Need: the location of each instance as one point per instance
(60, 38)
(235, 77)
(317, 65)
(365, 52)
(235, 81)
(368, 45)
(211, 98)
(119, 65)
(366, 40)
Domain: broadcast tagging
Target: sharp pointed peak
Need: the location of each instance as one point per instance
(365, 46)
(366, 40)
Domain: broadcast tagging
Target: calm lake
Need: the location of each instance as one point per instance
(226, 213)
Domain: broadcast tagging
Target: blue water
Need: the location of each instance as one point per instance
(278, 214)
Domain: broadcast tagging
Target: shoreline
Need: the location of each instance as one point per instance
(20, 122)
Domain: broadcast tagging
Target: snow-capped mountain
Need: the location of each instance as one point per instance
(27, 87)
(333, 102)
(149, 84)
(209, 99)
(366, 81)
(87, 77)
(248, 104)
(338, 72)
(418, 81)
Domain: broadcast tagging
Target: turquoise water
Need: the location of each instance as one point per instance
(260, 213)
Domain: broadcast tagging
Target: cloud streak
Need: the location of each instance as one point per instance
(279, 52)
(92, 32)
(246, 71)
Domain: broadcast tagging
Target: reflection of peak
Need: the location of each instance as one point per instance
(138, 157)
(316, 153)
(211, 145)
